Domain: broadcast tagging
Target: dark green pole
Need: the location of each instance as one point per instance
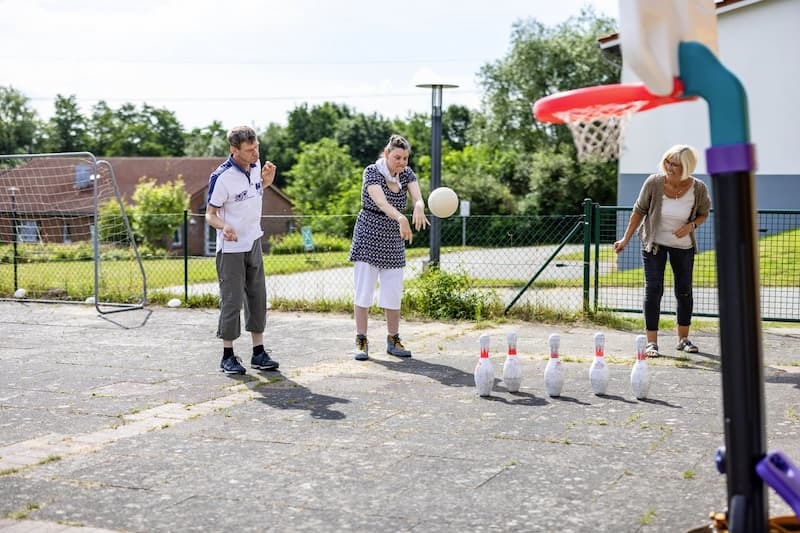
(13, 191)
(587, 250)
(185, 256)
(435, 230)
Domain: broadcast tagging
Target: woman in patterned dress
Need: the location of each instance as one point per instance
(378, 247)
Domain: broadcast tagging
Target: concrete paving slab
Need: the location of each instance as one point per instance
(129, 426)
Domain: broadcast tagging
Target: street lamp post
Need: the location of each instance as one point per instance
(436, 161)
(13, 191)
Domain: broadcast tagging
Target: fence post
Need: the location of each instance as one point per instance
(596, 239)
(186, 257)
(587, 250)
(13, 191)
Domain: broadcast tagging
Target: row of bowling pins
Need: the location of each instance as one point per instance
(554, 371)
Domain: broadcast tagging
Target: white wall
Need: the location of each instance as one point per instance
(759, 43)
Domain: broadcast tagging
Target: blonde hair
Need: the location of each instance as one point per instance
(687, 156)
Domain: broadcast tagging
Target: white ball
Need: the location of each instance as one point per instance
(174, 302)
(20, 293)
(89, 300)
(443, 202)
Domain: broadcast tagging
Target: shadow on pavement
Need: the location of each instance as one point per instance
(661, 402)
(569, 399)
(519, 398)
(446, 375)
(282, 393)
(136, 318)
(614, 397)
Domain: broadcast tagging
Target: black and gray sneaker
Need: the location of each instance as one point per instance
(651, 350)
(395, 347)
(262, 361)
(686, 345)
(362, 348)
(231, 365)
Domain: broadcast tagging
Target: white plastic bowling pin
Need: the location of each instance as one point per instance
(554, 371)
(640, 377)
(484, 371)
(598, 372)
(512, 368)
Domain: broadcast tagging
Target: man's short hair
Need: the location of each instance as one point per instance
(241, 134)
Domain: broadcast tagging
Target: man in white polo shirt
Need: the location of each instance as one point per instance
(235, 193)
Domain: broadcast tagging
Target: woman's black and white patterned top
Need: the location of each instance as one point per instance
(376, 237)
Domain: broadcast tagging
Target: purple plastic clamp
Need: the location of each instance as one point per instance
(778, 471)
(731, 158)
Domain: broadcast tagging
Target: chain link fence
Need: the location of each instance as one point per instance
(618, 280)
(558, 262)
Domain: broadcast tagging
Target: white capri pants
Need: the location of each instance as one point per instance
(366, 276)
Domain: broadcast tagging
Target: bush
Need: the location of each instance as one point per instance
(292, 243)
(442, 295)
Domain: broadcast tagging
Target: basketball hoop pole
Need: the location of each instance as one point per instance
(731, 163)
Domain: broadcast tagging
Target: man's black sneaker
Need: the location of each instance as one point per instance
(231, 365)
(262, 361)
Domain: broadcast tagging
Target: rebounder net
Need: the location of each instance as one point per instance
(64, 233)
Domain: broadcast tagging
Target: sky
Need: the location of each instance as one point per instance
(253, 61)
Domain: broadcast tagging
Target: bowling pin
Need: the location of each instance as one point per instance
(554, 371)
(512, 368)
(640, 377)
(598, 371)
(484, 371)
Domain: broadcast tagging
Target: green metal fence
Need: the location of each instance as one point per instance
(559, 262)
(618, 281)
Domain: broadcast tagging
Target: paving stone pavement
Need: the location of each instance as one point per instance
(124, 423)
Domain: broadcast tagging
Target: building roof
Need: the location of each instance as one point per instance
(50, 184)
(194, 171)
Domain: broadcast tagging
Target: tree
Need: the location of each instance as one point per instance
(456, 120)
(128, 131)
(275, 146)
(111, 224)
(542, 61)
(366, 135)
(67, 129)
(326, 181)
(102, 128)
(310, 125)
(18, 123)
(158, 210)
(559, 184)
(473, 174)
(207, 142)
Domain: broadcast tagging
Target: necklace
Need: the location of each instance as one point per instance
(676, 194)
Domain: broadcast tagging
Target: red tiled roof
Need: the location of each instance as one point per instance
(48, 184)
(193, 170)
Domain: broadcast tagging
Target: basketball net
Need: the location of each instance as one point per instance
(598, 130)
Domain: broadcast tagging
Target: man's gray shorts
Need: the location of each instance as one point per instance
(241, 282)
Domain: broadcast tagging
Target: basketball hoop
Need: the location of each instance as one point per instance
(597, 116)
